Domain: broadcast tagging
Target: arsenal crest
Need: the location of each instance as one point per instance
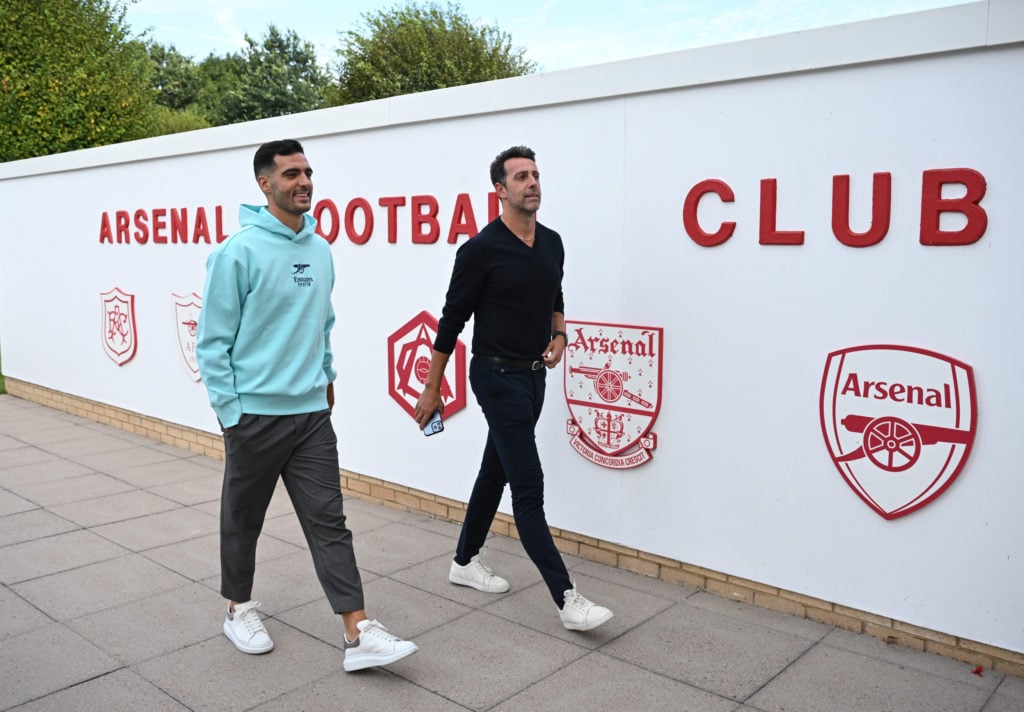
(117, 326)
(899, 423)
(186, 320)
(409, 352)
(613, 390)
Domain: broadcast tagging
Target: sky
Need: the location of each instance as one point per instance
(556, 34)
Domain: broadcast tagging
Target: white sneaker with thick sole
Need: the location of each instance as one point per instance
(580, 614)
(245, 629)
(375, 646)
(478, 575)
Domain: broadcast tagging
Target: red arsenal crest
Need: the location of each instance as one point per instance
(613, 390)
(117, 326)
(899, 423)
(186, 320)
(409, 352)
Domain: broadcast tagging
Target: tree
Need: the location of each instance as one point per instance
(175, 76)
(218, 78)
(71, 77)
(280, 76)
(422, 47)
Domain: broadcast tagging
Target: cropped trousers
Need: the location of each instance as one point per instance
(303, 451)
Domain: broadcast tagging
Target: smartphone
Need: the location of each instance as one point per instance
(435, 425)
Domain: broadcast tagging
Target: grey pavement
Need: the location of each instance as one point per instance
(109, 601)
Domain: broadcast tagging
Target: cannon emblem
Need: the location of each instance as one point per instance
(609, 383)
(186, 320)
(899, 423)
(893, 444)
(613, 390)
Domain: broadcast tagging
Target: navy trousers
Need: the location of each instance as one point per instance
(303, 451)
(511, 400)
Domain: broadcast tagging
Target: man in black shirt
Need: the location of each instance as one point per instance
(509, 279)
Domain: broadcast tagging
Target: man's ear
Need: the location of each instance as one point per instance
(263, 182)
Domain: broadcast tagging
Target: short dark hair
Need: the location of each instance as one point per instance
(266, 153)
(498, 165)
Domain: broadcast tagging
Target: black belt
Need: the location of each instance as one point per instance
(513, 363)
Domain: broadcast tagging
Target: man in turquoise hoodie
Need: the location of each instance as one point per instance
(264, 353)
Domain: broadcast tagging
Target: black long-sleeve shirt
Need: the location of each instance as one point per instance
(509, 289)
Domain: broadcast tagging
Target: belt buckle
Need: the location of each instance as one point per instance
(536, 365)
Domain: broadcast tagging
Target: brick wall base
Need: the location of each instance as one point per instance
(722, 584)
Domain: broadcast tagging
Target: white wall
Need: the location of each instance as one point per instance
(741, 480)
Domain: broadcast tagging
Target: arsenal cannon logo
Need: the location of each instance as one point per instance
(899, 423)
(613, 390)
(186, 320)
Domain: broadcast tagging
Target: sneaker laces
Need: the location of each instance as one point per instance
(376, 629)
(578, 600)
(250, 619)
(482, 567)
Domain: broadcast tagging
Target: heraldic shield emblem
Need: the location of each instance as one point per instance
(899, 423)
(117, 325)
(613, 390)
(186, 321)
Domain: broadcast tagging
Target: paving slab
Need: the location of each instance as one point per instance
(149, 627)
(212, 675)
(79, 488)
(11, 503)
(32, 524)
(131, 504)
(199, 558)
(15, 452)
(40, 557)
(96, 587)
(363, 691)
(41, 470)
(727, 656)
(119, 691)
(46, 660)
(153, 530)
(18, 615)
(826, 674)
(499, 660)
(196, 490)
(598, 682)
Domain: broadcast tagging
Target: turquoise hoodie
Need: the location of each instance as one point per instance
(263, 343)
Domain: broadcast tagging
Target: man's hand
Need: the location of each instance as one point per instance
(553, 352)
(430, 400)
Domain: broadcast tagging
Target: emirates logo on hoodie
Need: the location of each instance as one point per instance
(301, 281)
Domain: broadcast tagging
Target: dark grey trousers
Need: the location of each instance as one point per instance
(303, 451)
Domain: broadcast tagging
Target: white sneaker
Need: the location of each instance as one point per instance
(580, 614)
(245, 629)
(478, 575)
(375, 646)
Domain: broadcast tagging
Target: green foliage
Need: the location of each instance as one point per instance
(175, 77)
(422, 47)
(279, 76)
(71, 77)
(168, 121)
(218, 77)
